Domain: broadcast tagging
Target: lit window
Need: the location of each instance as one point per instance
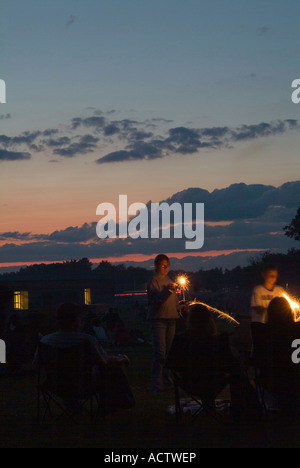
(21, 300)
(87, 297)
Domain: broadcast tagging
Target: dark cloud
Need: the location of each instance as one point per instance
(139, 150)
(263, 30)
(85, 144)
(5, 116)
(50, 132)
(95, 122)
(13, 155)
(241, 201)
(26, 138)
(185, 140)
(61, 141)
(250, 132)
(84, 233)
(71, 20)
(111, 129)
(160, 120)
(137, 135)
(135, 141)
(22, 236)
(258, 214)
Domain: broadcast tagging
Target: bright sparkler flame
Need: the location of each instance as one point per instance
(220, 314)
(294, 306)
(183, 282)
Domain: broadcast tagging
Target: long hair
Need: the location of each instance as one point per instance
(200, 322)
(280, 315)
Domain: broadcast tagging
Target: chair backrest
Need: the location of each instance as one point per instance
(68, 371)
(198, 366)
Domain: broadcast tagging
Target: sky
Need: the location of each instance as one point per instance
(149, 99)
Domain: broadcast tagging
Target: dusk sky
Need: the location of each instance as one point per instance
(146, 98)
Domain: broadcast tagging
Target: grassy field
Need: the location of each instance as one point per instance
(149, 425)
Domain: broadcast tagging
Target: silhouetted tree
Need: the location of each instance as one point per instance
(293, 229)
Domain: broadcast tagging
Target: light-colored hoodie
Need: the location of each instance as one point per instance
(163, 303)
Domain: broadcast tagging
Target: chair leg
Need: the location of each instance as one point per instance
(38, 413)
(260, 392)
(47, 400)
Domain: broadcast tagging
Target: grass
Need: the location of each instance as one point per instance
(149, 425)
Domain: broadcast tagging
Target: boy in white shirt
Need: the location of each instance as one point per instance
(264, 293)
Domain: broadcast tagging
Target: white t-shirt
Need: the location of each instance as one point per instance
(262, 297)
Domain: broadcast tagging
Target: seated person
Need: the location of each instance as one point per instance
(99, 331)
(122, 335)
(111, 319)
(107, 370)
(205, 365)
(280, 375)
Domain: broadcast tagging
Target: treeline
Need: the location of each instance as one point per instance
(136, 278)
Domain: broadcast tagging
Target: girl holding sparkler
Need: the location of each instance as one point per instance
(164, 310)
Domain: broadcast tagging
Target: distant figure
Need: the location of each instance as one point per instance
(264, 293)
(163, 312)
(16, 343)
(111, 319)
(122, 335)
(108, 373)
(99, 331)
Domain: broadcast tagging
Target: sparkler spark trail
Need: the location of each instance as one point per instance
(220, 314)
(183, 282)
(295, 306)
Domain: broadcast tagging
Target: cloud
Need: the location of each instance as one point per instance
(71, 20)
(61, 141)
(25, 138)
(96, 122)
(50, 132)
(137, 140)
(5, 116)
(250, 132)
(138, 151)
(242, 201)
(86, 144)
(263, 30)
(257, 213)
(111, 129)
(13, 155)
(185, 140)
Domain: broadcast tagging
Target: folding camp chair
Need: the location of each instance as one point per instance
(178, 408)
(258, 359)
(274, 370)
(197, 397)
(65, 382)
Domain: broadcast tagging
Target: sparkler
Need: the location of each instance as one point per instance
(295, 306)
(183, 283)
(220, 314)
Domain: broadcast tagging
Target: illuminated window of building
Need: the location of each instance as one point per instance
(21, 300)
(87, 297)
